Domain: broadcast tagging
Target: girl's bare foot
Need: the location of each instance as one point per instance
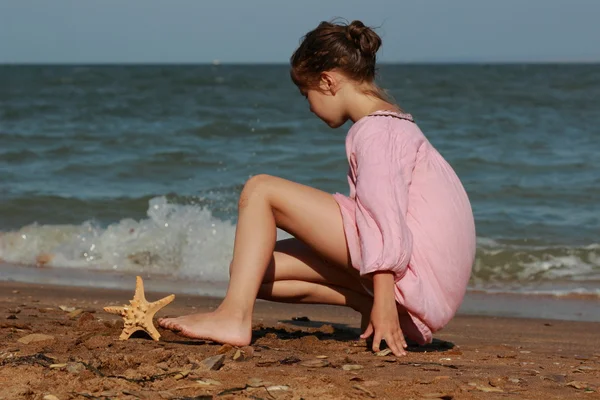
(218, 326)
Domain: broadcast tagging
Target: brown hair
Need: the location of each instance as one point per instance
(348, 48)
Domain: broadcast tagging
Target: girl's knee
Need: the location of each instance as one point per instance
(256, 184)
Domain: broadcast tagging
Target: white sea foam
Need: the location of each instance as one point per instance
(522, 262)
(178, 240)
(188, 242)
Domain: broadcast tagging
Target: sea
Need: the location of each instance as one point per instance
(111, 171)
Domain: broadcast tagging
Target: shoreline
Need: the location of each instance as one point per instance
(473, 357)
(477, 302)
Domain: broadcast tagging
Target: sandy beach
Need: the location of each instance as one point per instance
(112, 169)
(297, 352)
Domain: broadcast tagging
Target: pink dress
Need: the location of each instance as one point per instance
(408, 213)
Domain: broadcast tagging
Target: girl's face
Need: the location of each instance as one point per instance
(326, 103)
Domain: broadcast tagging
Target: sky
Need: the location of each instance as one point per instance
(268, 31)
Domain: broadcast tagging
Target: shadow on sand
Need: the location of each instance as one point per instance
(322, 330)
(338, 332)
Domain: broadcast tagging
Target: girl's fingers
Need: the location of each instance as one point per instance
(368, 332)
(399, 335)
(402, 340)
(394, 346)
(394, 339)
(376, 341)
(400, 343)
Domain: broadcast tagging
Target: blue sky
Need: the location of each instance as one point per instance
(132, 31)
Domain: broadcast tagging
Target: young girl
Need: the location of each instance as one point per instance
(399, 249)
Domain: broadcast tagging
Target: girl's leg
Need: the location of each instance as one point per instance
(317, 293)
(297, 274)
(266, 202)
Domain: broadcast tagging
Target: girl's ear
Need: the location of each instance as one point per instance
(328, 83)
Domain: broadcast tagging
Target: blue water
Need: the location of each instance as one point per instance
(138, 168)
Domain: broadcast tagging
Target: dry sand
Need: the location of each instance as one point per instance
(473, 357)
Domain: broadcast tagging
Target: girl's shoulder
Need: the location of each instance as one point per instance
(397, 115)
(385, 125)
(379, 118)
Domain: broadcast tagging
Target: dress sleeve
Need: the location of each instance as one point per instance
(381, 203)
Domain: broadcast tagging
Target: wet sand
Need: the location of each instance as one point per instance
(297, 351)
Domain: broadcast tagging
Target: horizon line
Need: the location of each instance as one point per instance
(217, 63)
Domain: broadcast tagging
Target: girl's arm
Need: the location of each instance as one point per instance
(383, 165)
(382, 201)
(384, 315)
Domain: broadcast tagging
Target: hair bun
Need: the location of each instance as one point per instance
(363, 37)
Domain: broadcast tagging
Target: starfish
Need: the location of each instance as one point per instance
(138, 315)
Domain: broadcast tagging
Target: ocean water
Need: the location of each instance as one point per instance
(137, 169)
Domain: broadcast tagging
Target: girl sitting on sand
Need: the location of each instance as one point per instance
(399, 249)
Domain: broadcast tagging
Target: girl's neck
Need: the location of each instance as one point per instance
(361, 104)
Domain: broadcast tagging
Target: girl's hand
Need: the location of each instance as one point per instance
(384, 322)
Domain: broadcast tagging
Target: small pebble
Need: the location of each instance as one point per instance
(578, 385)
(163, 366)
(277, 387)
(315, 363)
(265, 362)
(214, 362)
(225, 349)
(351, 367)
(75, 313)
(208, 382)
(383, 353)
(437, 395)
(75, 367)
(239, 355)
(487, 389)
(181, 375)
(364, 390)
(255, 382)
(582, 357)
(34, 338)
